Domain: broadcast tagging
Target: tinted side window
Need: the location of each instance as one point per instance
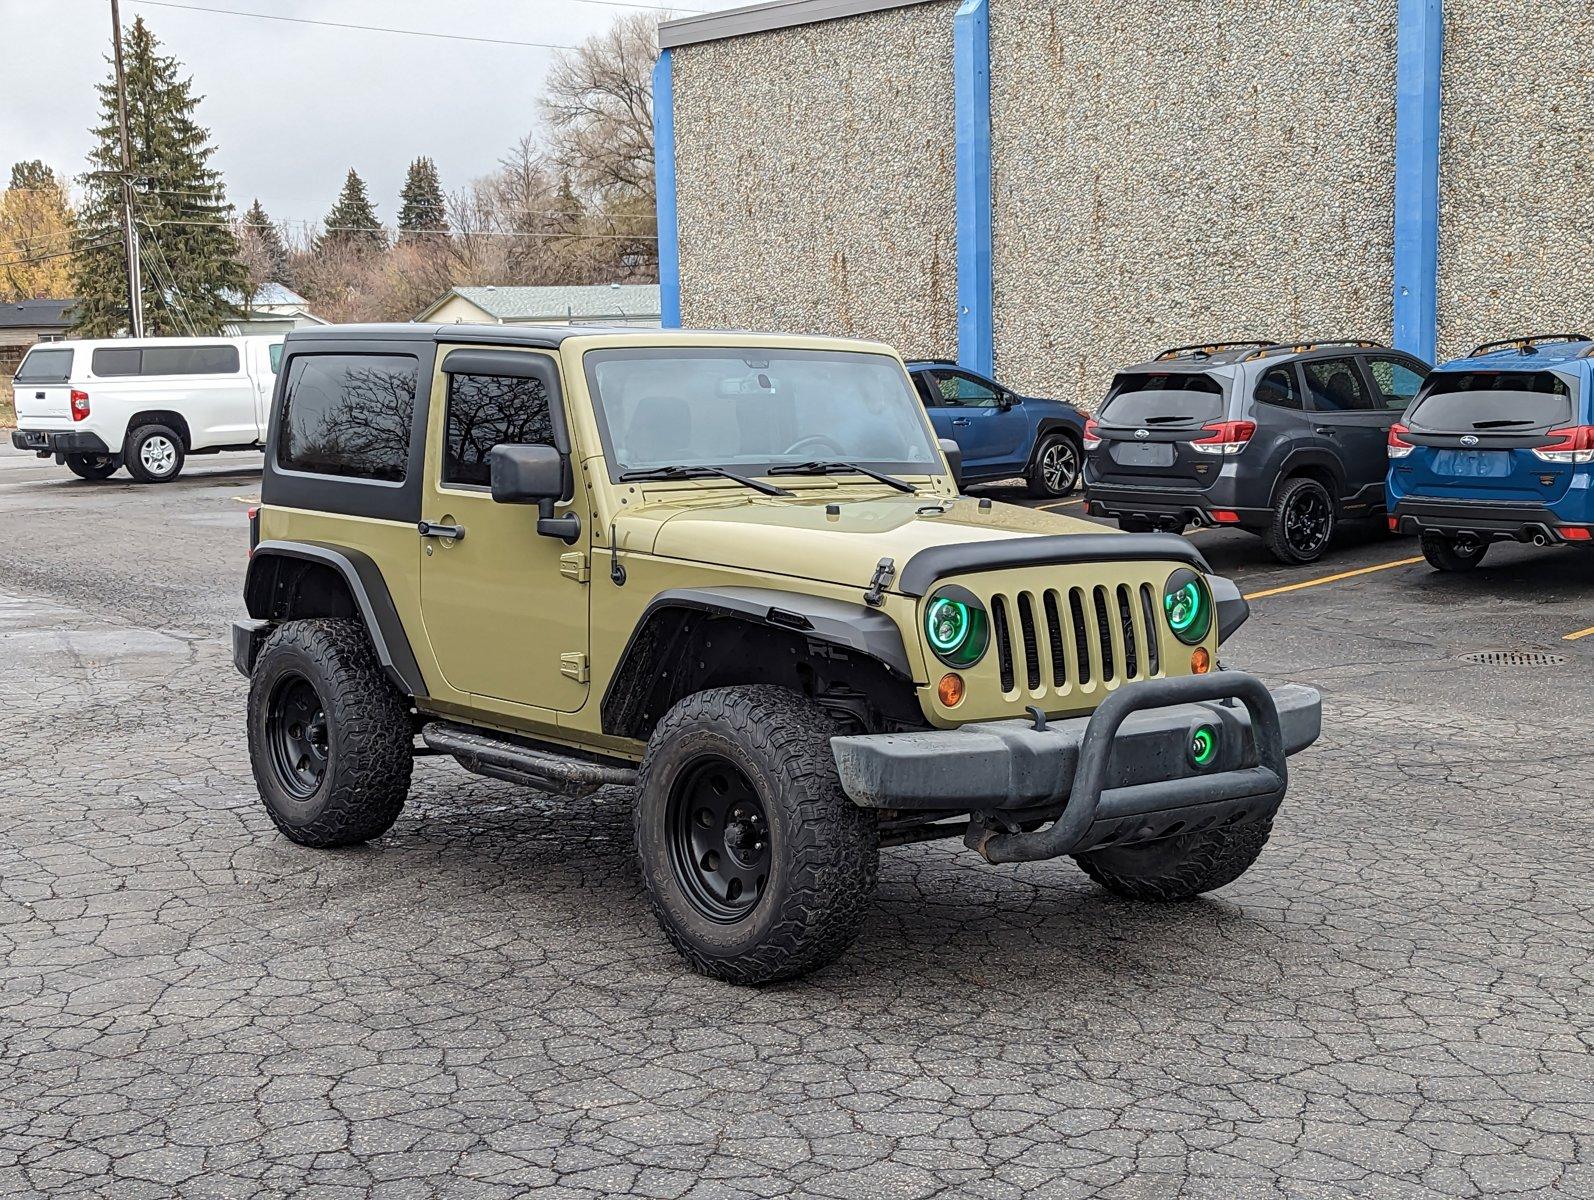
(116, 362)
(964, 391)
(190, 360)
(348, 414)
(1397, 382)
(1280, 388)
(45, 366)
(1335, 385)
(492, 410)
(274, 352)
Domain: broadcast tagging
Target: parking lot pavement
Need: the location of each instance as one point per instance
(1396, 1001)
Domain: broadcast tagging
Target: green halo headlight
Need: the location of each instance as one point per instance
(1187, 604)
(1203, 746)
(956, 627)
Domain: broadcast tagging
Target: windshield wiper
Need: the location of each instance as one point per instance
(1502, 423)
(843, 468)
(758, 485)
(1168, 420)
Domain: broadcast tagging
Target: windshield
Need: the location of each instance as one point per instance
(752, 409)
(45, 366)
(1499, 401)
(1164, 398)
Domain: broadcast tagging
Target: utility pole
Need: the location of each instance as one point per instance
(135, 288)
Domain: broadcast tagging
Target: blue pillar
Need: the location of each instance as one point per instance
(1420, 50)
(971, 89)
(664, 187)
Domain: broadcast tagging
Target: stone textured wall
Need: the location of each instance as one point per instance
(1169, 171)
(1516, 170)
(815, 176)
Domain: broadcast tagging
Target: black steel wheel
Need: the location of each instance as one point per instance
(1055, 469)
(719, 845)
(296, 735)
(1303, 522)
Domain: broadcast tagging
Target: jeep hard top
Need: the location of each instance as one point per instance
(733, 571)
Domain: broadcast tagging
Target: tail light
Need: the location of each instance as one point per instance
(80, 405)
(1224, 437)
(1092, 436)
(254, 527)
(1574, 444)
(1399, 447)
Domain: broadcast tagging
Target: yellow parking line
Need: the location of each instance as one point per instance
(1055, 507)
(1310, 583)
(1579, 635)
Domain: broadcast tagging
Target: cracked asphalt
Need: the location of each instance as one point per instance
(1397, 1001)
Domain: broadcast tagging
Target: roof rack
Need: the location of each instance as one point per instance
(1315, 344)
(1208, 349)
(1526, 343)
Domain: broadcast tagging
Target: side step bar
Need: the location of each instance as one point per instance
(514, 762)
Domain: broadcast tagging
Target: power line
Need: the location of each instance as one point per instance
(28, 262)
(453, 37)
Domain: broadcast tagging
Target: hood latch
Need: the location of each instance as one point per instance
(884, 572)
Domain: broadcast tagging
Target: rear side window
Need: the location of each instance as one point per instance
(1501, 401)
(492, 410)
(1164, 398)
(348, 415)
(1397, 382)
(274, 353)
(1335, 385)
(45, 366)
(1281, 388)
(165, 360)
(107, 362)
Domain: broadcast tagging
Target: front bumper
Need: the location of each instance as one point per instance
(1478, 521)
(1123, 774)
(45, 442)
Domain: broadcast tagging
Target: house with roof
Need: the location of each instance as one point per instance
(24, 322)
(271, 308)
(612, 304)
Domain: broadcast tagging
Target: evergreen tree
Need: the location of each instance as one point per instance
(32, 174)
(352, 223)
(189, 257)
(272, 251)
(423, 212)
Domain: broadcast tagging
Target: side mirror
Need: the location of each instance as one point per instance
(954, 460)
(1006, 400)
(534, 475)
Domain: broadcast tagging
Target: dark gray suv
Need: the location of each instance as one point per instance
(1281, 440)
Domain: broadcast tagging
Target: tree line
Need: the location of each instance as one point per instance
(572, 207)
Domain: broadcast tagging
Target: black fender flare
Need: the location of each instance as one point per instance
(372, 599)
(1051, 425)
(1318, 459)
(853, 627)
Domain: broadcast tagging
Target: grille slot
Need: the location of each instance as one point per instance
(1004, 645)
(1054, 639)
(1126, 623)
(1104, 631)
(1082, 655)
(1032, 652)
(1075, 638)
(1148, 610)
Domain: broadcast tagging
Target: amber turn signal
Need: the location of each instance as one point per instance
(950, 689)
(1200, 661)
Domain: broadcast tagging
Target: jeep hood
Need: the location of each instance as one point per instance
(798, 538)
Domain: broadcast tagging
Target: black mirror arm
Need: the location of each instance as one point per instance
(566, 528)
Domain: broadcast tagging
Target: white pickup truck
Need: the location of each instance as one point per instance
(144, 403)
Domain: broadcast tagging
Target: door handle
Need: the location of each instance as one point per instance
(1324, 430)
(451, 533)
(960, 422)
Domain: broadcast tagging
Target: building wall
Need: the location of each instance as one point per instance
(815, 176)
(1173, 172)
(457, 309)
(1516, 170)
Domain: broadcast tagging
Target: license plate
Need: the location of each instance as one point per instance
(1473, 464)
(1143, 454)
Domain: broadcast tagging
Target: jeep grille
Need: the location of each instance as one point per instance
(1070, 639)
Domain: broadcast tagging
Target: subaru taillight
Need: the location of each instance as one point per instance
(1224, 437)
(1573, 445)
(80, 405)
(1092, 437)
(1399, 447)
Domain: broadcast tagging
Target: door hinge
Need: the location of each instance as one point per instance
(574, 566)
(574, 665)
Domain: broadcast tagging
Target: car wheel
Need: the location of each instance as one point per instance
(1177, 868)
(154, 454)
(92, 466)
(1054, 471)
(330, 739)
(1302, 524)
(756, 864)
(1446, 554)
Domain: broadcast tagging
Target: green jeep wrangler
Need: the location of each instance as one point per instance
(736, 573)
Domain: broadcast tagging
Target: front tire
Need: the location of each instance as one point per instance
(92, 466)
(756, 864)
(1445, 554)
(1303, 522)
(154, 454)
(1054, 471)
(1177, 868)
(330, 739)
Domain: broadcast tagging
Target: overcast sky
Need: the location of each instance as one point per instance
(292, 107)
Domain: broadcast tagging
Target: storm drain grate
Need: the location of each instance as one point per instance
(1514, 658)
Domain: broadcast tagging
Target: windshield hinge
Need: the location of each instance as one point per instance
(884, 572)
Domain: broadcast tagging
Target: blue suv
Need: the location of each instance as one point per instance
(1498, 446)
(1002, 434)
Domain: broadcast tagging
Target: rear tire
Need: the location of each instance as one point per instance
(154, 454)
(757, 865)
(92, 466)
(1178, 868)
(1443, 555)
(1303, 522)
(1054, 471)
(330, 739)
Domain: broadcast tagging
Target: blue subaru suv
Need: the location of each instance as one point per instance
(1002, 434)
(1498, 446)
